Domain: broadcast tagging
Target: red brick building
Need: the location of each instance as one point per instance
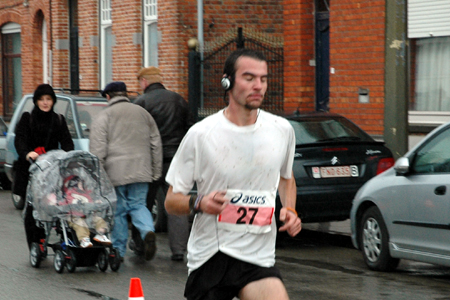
(334, 51)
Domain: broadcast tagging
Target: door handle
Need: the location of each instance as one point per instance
(440, 190)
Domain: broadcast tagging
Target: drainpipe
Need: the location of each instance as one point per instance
(50, 52)
(200, 44)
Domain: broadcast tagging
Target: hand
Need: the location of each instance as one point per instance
(292, 223)
(32, 155)
(214, 203)
(52, 199)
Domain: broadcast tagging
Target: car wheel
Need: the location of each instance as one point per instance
(374, 239)
(159, 212)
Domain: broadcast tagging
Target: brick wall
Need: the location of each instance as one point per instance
(298, 51)
(88, 50)
(60, 43)
(356, 45)
(11, 14)
(177, 22)
(126, 22)
(357, 35)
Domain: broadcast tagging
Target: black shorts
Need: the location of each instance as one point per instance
(222, 277)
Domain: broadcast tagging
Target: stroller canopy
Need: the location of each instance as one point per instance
(56, 172)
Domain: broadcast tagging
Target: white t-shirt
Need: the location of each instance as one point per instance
(247, 161)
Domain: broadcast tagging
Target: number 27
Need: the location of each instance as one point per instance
(243, 216)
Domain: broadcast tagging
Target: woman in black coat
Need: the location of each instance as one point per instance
(37, 132)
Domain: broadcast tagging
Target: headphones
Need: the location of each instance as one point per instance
(227, 83)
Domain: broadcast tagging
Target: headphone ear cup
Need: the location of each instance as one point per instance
(226, 83)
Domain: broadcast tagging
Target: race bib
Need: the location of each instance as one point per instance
(248, 211)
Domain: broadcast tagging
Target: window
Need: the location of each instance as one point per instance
(45, 66)
(106, 42)
(434, 157)
(11, 67)
(150, 9)
(432, 78)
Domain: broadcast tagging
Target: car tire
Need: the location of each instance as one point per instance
(159, 212)
(374, 240)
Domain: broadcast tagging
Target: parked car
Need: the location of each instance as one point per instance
(404, 212)
(4, 181)
(78, 107)
(333, 159)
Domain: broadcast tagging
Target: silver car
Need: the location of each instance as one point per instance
(404, 213)
(4, 181)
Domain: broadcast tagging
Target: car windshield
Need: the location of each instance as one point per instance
(313, 130)
(87, 111)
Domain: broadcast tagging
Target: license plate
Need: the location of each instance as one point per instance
(337, 171)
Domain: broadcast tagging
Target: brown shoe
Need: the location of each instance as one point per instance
(150, 245)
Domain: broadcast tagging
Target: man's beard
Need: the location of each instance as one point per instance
(251, 106)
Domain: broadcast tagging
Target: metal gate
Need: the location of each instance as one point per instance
(215, 55)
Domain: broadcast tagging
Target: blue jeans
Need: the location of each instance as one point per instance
(131, 200)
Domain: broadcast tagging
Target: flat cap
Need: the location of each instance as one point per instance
(149, 71)
(115, 86)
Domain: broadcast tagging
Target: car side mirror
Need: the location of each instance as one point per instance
(401, 166)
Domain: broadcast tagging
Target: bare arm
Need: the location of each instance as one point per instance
(288, 195)
(178, 204)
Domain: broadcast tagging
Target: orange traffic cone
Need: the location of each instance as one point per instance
(136, 292)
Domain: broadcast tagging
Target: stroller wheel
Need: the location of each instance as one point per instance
(114, 259)
(59, 261)
(102, 260)
(71, 261)
(35, 255)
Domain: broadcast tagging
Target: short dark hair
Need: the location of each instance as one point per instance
(117, 94)
(230, 63)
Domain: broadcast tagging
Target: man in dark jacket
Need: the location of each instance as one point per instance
(171, 114)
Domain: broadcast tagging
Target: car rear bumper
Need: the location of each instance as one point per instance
(325, 203)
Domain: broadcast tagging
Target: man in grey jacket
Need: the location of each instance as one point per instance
(127, 142)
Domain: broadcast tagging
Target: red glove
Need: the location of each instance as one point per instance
(40, 150)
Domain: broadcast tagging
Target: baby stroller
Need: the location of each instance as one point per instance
(46, 193)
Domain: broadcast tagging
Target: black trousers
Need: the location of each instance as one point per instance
(32, 231)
